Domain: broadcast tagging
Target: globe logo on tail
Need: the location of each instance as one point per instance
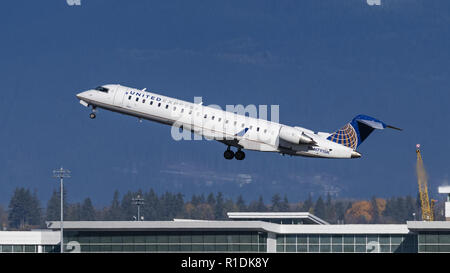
(346, 136)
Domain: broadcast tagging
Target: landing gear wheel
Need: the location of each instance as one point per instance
(239, 155)
(92, 115)
(228, 154)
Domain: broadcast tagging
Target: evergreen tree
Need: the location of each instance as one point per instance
(319, 208)
(390, 213)
(195, 200)
(340, 211)
(257, 206)
(24, 209)
(36, 211)
(3, 219)
(308, 204)
(171, 205)
(179, 204)
(261, 207)
(53, 212)
(410, 207)
(220, 206)
(211, 200)
(330, 210)
(374, 212)
(276, 200)
(151, 209)
(228, 206)
(102, 214)
(284, 205)
(418, 207)
(240, 203)
(127, 207)
(87, 210)
(163, 207)
(402, 210)
(74, 212)
(201, 199)
(114, 213)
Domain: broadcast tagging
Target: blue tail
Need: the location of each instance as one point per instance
(355, 132)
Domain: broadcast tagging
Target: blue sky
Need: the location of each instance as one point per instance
(323, 62)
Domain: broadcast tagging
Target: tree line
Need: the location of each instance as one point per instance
(25, 210)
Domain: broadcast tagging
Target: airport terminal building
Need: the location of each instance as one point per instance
(243, 232)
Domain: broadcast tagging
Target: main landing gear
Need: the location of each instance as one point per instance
(229, 154)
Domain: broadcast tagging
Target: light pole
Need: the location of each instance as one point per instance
(61, 174)
(138, 201)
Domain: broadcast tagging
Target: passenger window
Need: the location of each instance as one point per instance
(143, 101)
(212, 117)
(129, 97)
(226, 121)
(265, 131)
(182, 110)
(242, 125)
(159, 104)
(167, 106)
(206, 115)
(174, 108)
(220, 119)
(151, 102)
(257, 129)
(137, 99)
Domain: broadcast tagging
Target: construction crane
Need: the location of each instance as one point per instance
(427, 207)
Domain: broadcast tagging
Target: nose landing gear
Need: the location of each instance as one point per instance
(92, 115)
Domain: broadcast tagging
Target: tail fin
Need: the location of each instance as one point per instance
(355, 132)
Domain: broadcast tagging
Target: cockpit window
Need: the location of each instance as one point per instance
(102, 89)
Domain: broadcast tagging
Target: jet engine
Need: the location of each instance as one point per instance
(295, 136)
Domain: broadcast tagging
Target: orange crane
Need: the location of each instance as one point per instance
(427, 207)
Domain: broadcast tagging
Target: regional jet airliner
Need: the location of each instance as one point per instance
(233, 129)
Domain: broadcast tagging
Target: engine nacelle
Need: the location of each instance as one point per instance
(294, 136)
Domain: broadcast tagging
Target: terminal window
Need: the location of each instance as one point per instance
(338, 243)
(189, 241)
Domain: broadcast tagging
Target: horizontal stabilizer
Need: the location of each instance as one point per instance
(373, 123)
(395, 128)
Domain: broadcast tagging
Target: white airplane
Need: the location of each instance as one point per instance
(240, 131)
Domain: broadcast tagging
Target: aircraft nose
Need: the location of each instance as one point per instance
(355, 154)
(81, 95)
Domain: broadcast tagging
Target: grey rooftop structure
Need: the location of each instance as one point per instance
(278, 217)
